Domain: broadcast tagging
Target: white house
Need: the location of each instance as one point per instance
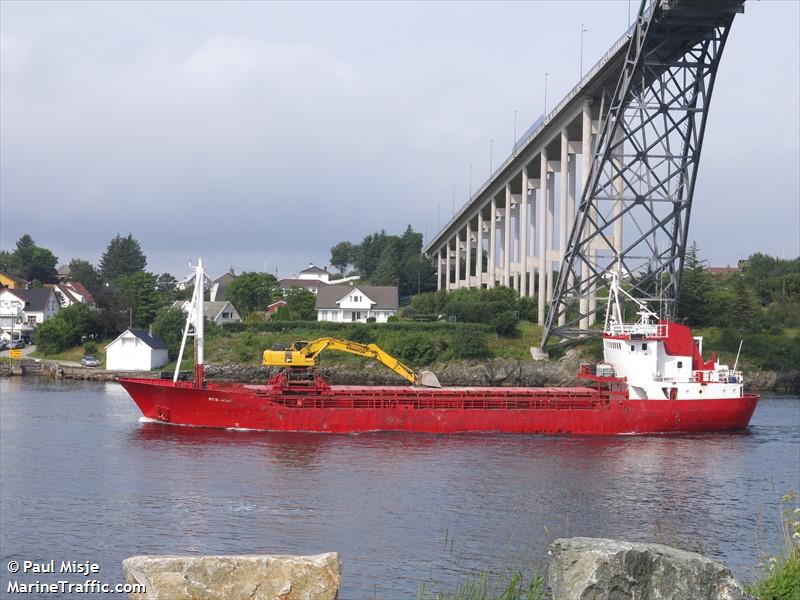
(73, 292)
(312, 279)
(344, 303)
(136, 350)
(25, 309)
(218, 312)
(12, 313)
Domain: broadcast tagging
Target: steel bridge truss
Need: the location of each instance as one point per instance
(633, 216)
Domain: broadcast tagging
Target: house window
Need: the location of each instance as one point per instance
(633, 347)
(680, 364)
(31, 320)
(226, 315)
(644, 346)
(355, 316)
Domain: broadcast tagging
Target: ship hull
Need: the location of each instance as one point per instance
(359, 409)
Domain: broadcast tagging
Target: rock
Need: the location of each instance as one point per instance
(256, 577)
(600, 569)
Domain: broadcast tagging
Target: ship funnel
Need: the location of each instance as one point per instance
(428, 379)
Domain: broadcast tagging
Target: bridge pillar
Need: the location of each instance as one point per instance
(586, 158)
(457, 278)
(563, 211)
(523, 235)
(507, 239)
(492, 242)
(439, 270)
(551, 230)
(479, 251)
(468, 247)
(533, 185)
(542, 226)
(447, 270)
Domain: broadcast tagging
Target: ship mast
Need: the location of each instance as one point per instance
(196, 320)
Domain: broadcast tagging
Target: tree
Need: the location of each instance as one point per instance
(138, 292)
(41, 266)
(166, 283)
(122, 257)
(695, 286)
(168, 325)
(300, 306)
(66, 329)
(342, 254)
(251, 291)
(387, 270)
(9, 262)
(33, 262)
(744, 313)
(369, 252)
(84, 273)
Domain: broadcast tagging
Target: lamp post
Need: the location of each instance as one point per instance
(546, 75)
(514, 141)
(583, 30)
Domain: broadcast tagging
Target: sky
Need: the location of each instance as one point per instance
(258, 135)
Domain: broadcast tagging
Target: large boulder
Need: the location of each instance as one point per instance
(255, 577)
(600, 569)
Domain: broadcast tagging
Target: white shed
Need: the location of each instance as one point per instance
(136, 350)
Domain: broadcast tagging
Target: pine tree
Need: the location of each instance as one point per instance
(744, 313)
(695, 287)
(123, 257)
(387, 271)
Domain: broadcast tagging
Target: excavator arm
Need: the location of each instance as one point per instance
(306, 354)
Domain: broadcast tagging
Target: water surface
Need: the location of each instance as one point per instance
(81, 478)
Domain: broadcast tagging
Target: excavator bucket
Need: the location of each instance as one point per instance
(429, 379)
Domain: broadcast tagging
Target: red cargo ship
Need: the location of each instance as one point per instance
(653, 380)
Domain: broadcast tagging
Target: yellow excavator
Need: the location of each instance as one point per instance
(301, 356)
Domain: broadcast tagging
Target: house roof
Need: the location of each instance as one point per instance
(385, 297)
(155, 342)
(63, 289)
(277, 302)
(63, 271)
(14, 278)
(312, 270)
(213, 308)
(35, 298)
(78, 287)
(226, 277)
(303, 283)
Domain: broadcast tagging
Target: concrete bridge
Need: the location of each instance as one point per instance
(604, 180)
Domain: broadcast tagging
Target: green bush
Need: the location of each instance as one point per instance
(66, 329)
(90, 347)
(469, 343)
(415, 348)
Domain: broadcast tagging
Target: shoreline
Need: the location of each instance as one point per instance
(471, 373)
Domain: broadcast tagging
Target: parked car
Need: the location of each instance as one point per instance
(17, 344)
(90, 361)
(27, 338)
(3, 345)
